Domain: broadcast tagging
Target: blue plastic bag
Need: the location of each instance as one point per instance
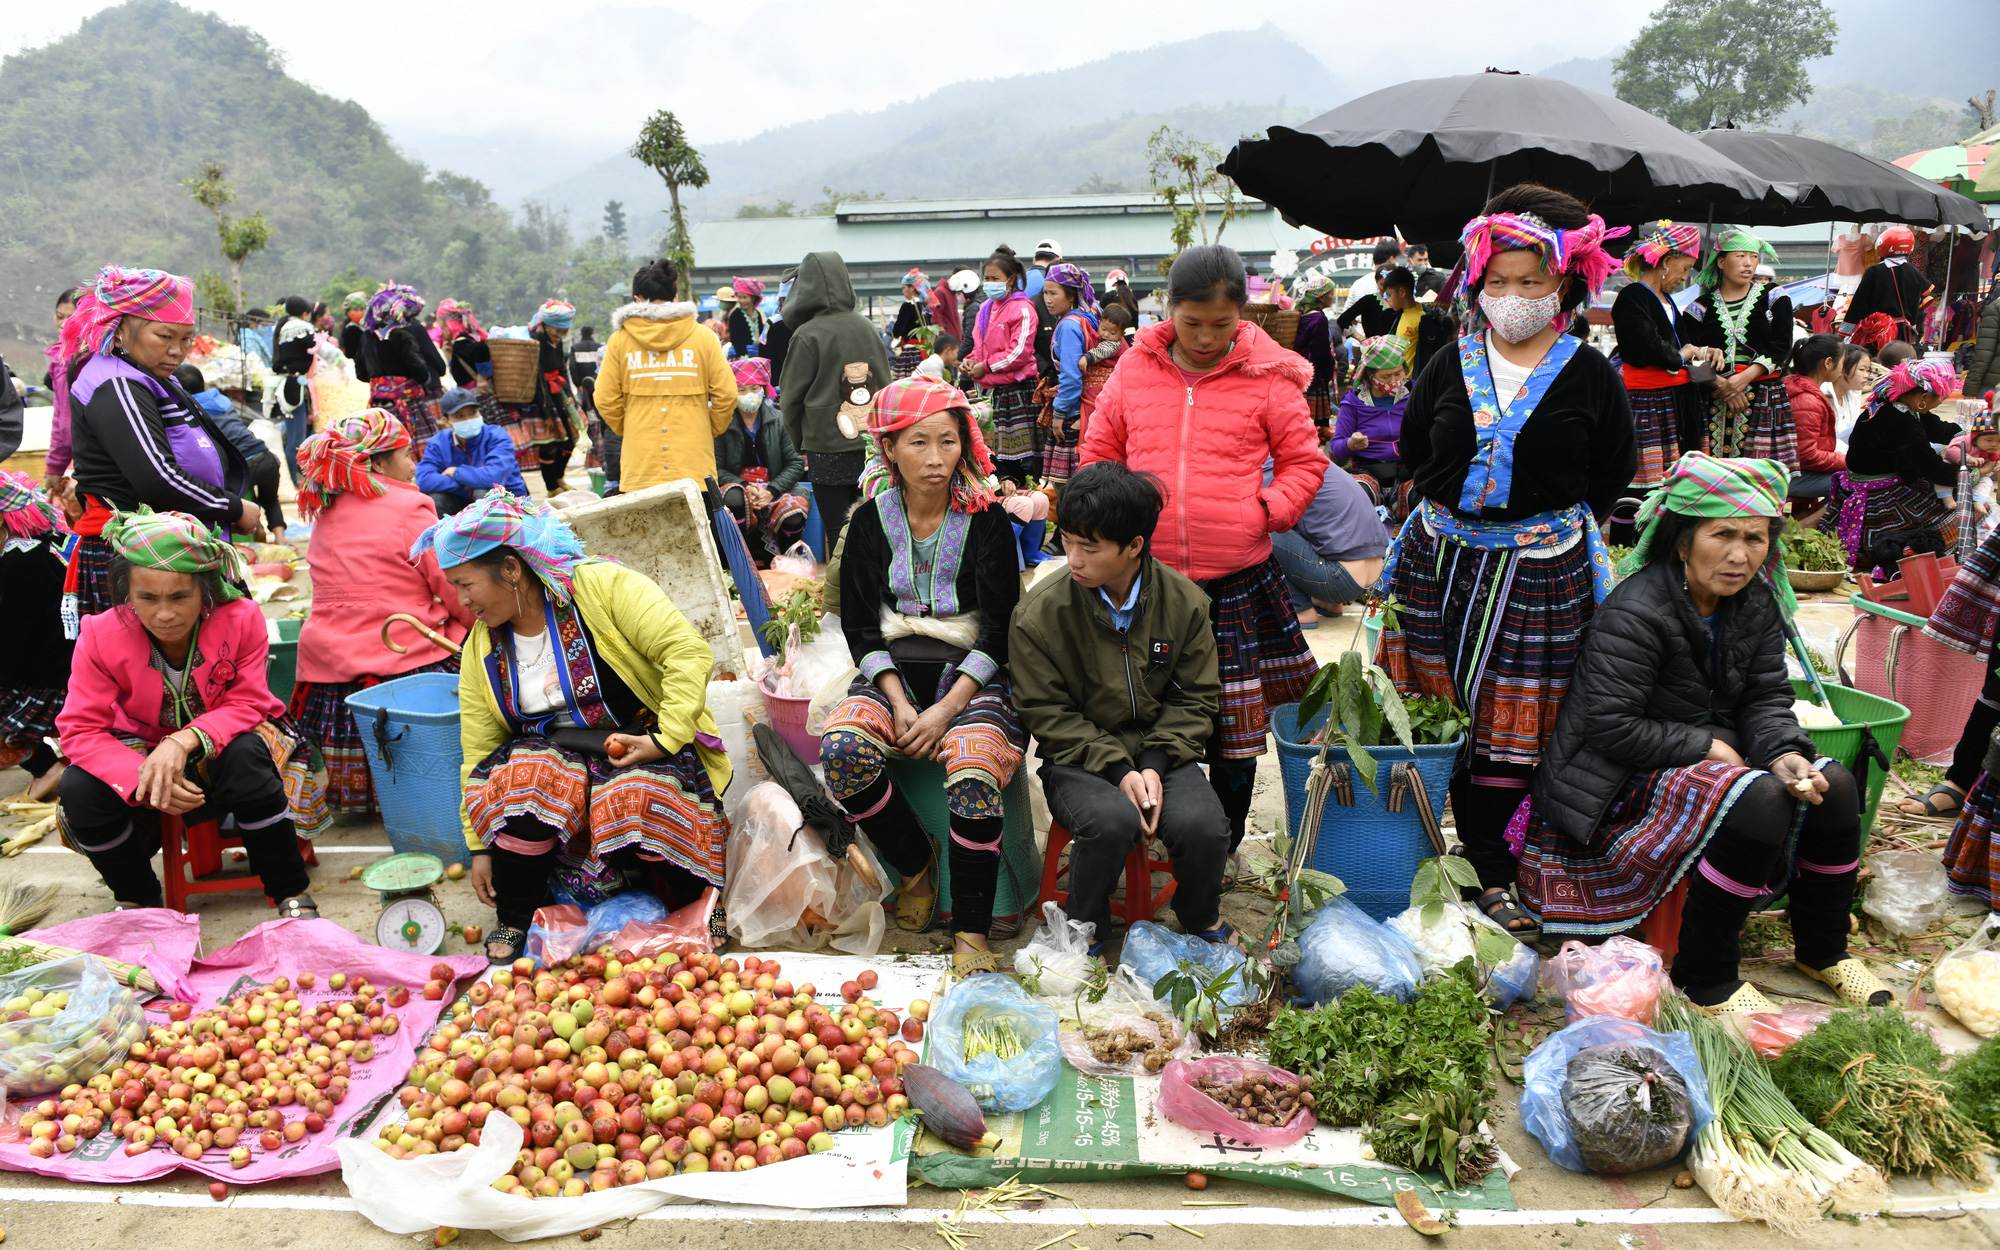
(1344, 947)
(997, 1084)
(1152, 952)
(1542, 1077)
(565, 929)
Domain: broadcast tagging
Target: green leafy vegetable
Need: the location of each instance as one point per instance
(1975, 1087)
(1811, 551)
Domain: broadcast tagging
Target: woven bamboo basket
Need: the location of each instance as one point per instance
(1281, 324)
(1803, 579)
(514, 364)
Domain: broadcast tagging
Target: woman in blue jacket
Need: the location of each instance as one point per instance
(470, 458)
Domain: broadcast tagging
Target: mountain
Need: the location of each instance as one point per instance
(1034, 133)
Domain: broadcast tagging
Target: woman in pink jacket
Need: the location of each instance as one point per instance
(360, 491)
(168, 712)
(1202, 401)
(1003, 362)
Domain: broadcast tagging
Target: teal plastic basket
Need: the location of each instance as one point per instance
(281, 668)
(1020, 881)
(409, 730)
(1374, 851)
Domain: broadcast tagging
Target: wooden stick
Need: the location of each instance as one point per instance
(1189, 1231)
(420, 627)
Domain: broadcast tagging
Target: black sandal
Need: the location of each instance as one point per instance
(1502, 908)
(298, 907)
(1929, 803)
(513, 939)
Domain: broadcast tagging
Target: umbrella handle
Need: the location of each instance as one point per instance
(420, 627)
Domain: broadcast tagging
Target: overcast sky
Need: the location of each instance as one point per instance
(732, 70)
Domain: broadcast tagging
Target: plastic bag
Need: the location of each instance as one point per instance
(95, 1023)
(786, 893)
(1621, 978)
(833, 688)
(1627, 1108)
(684, 927)
(556, 933)
(820, 663)
(798, 561)
(1906, 891)
(1057, 957)
(1769, 1032)
(1152, 952)
(997, 1084)
(736, 706)
(1344, 947)
(603, 922)
(1968, 981)
(1076, 1047)
(1188, 1107)
(1547, 1071)
(10, 1118)
(1441, 946)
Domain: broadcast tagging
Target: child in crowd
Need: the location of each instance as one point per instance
(1115, 323)
(1114, 672)
(942, 363)
(1371, 421)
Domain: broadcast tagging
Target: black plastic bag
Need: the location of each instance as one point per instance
(1628, 1109)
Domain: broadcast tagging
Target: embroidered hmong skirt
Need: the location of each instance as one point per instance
(90, 564)
(1495, 632)
(1263, 658)
(982, 748)
(907, 360)
(665, 809)
(27, 715)
(1766, 430)
(1972, 856)
(533, 431)
(1059, 454)
(1863, 510)
(1652, 834)
(1388, 483)
(320, 711)
(1965, 618)
(1657, 414)
(1015, 419)
(1319, 403)
(416, 406)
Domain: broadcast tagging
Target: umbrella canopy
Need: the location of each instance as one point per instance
(1817, 181)
(1423, 156)
(1957, 163)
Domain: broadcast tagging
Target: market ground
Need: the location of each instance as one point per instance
(1558, 1210)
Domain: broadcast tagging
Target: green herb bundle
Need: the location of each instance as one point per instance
(1975, 1087)
(1812, 551)
(1416, 1074)
(1874, 1082)
(15, 958)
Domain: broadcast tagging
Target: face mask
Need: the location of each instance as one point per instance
(1517, 318)
(747, 404)
(994, 290)
(468, 429)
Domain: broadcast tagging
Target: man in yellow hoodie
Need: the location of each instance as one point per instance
(663, 384)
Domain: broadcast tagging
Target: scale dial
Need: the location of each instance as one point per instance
(413, 925)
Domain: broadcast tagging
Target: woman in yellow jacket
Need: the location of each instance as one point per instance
(663, 384)
(584, 720)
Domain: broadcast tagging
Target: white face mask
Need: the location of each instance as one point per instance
(1518, 318)
(468, 429)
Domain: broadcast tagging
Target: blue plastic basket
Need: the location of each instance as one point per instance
(1372, 850)
(417, 786)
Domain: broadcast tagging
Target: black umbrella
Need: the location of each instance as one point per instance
(1424, 156)
(816, 808)
(1815, 181)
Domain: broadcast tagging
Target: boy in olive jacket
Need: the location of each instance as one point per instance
(1114, 674)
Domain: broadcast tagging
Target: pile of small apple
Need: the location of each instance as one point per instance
(211, 1080)
(626, 1072)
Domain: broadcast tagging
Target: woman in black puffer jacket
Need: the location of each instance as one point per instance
(1677, 757)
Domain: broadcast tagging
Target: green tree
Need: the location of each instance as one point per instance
(337, 288)
(662, 147)
(614, 220)
(753, 212)
(831, 200)
(241, 237)
(1700, 63)
(1184, 175)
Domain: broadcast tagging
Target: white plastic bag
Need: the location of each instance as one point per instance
(786, 893)
(1906, 891)
(818, 664)
(1057, 957)
(736, 706)
(1441, 946)
(1968, 981)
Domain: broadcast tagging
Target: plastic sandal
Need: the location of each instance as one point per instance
(1223, 934)
(1502, 908)
(915, 912)
(1930, 805)
(969, 963)
(1852, 980)
(298, 907)
(514, 940)
(1746, 1000)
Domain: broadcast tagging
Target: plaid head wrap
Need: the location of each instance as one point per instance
(1732, 240)
(1935, 376)
(915, 278)
(906, 401)
(752, 371)
(176, 543)
(500, 519)
(1077, 282)
(1313, 293)
(1663, 238)
(1576, 253)
(454, 319)
(1710, 487)
(335, 461)
(1384, 351)
(118, 293)
(24, 508)
(356, 301)
(747, 286)
(390, 307)
(556, 314)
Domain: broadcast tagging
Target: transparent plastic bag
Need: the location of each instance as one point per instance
(1344, 947)
(1906, 891)
(1968, 981)
(798, 561)
(92, 1028)
(1621, 978)
(997, 1084)
(1441, 946)
(1151, 952)
(1188, 1107)
(819, 664)
(786, 893)
(556, 932)
(1546, 1072)
(684, 927)
(736, 706)
(1057, 956)
(602, 922)
(1769, 1032)
(1154, 1027)
(1627, 1108)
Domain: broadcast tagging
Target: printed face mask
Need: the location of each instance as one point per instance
(995, 290)
(1517, 318)
(748, 402)
(468, 429)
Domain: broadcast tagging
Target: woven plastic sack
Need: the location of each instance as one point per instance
(1621, 978)
(1188, 1107)
(1151, 952)
(997, 1084)
(1057, 957)
(1344, 947)
(1546, 1072)
(1441, 946)
(97, 1022)
(1906, 891)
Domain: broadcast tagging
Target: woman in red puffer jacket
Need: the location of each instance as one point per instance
(1203, 401)
(1815, 360)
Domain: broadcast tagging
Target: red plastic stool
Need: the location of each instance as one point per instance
(1140, 901)
(191, 853)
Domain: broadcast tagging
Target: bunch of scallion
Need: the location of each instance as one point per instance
(1760, 1159)
(995, 1037)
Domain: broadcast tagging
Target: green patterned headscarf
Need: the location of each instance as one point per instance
(1732, 240)
(1707, 486)
(176, 543)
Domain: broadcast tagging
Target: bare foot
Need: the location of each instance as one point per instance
(43, 788)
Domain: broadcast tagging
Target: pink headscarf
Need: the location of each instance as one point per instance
(1579, 253)
(118, 292)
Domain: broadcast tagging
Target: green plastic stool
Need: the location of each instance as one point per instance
(922, 783)
(282, 667)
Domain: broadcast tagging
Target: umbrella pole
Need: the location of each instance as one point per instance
(1826, 283)
(1489, 180)
(1944, 304)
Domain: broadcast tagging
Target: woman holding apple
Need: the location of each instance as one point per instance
(584, 719)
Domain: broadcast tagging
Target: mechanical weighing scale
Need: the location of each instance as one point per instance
(411, 920)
